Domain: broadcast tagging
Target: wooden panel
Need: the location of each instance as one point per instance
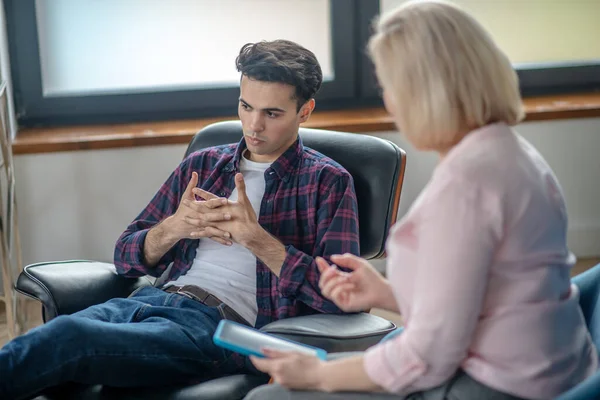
(45, 140)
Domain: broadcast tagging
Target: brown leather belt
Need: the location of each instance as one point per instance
(209, 299)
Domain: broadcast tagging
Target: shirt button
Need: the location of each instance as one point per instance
(222, 194)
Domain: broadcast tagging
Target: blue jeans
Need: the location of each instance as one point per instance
(150, 338)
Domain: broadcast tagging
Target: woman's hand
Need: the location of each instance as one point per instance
(291, 369)
(358, 290)
(306, 372)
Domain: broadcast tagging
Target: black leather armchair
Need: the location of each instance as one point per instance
(377, 167)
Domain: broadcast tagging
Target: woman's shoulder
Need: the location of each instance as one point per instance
(494, 157)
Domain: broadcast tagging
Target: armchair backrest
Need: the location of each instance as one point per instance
(377, 166)
(589, 300)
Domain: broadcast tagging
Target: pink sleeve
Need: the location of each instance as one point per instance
(457, 233)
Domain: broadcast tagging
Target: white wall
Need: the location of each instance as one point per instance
(75, 204)
(533, 31)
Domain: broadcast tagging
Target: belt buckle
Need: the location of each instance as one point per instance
(185, 293)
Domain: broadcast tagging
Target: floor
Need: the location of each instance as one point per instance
(33, 309)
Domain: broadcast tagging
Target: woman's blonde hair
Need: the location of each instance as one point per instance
(444, 73)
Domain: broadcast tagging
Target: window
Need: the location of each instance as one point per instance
(120, 60)
(552, 44)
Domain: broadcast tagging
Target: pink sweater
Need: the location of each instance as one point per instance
(480, 271)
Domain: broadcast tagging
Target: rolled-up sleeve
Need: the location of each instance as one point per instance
(129, 249)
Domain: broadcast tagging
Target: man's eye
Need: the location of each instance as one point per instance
(271, 114)
(244, 106)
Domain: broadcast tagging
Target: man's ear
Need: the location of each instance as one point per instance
(306, 110)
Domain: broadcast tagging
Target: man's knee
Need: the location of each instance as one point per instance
(64, 328)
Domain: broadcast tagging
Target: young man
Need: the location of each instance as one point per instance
(240, 226)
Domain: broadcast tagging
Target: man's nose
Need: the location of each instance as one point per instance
(257, 124)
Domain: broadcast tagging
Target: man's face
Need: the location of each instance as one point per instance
(269, 118)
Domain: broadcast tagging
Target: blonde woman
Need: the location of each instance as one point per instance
(479, 266)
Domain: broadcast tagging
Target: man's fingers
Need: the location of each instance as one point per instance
(216, 217)
(204, 233)
(204, 220)
(192, 205)
(191, 185)
(203, 207)
(215, 203)
(210, 231)
(241, 187)
(211, 200)
(204, 194)
(221, 240)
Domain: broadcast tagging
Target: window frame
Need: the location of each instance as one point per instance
(354, 84)
(538, 79)
(33, 108)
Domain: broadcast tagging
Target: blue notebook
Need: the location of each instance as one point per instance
(249, 341)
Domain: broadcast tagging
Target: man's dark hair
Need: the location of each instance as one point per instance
(285, 62)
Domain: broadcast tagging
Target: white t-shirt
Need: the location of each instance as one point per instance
(229, 272)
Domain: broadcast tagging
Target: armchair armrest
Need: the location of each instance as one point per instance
(334, 333)
(588, 389)
(65, 287)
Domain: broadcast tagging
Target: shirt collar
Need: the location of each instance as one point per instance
(284, 166)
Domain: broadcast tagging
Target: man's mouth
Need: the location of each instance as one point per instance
(254, 141)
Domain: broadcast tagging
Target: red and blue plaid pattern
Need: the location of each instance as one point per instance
(309, 204)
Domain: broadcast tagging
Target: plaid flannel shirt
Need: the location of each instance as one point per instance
(309, 205)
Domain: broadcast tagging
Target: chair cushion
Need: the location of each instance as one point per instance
(232, 387)
(334, 333)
